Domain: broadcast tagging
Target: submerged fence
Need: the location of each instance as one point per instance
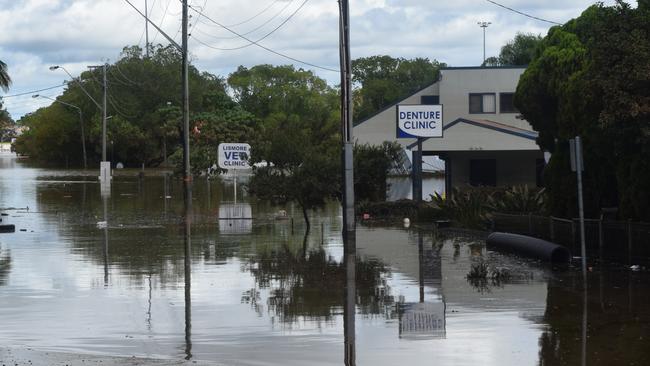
(616, 241)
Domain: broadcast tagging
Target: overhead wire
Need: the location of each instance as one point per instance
(32, 92)
(254, 29)
(522, 13)
(266, 35)
(262, 46)
(254, 16)
(162, 20)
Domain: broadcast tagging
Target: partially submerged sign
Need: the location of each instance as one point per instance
(419, 120)
(234, 156)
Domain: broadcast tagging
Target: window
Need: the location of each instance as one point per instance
(430, 99)
(482, 103)
(483, 172)
(506, 103)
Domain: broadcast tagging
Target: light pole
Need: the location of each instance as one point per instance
(81, 123)
(104, 173)
(484, 25)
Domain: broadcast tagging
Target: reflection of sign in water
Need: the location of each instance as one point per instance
(422, 320)
(234, 156)
(235, 218)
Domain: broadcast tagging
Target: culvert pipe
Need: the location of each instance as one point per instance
(529, 247)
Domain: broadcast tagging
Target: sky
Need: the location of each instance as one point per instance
(36, 34)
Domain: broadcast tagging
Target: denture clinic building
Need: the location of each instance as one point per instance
(484, 140)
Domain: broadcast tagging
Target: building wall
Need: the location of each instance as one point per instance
(513, 167)
(457, 84)
(383, 126)
(454, 88)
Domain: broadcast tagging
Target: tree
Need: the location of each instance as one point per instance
(299, 136)
(371, 166)
(590, 78)
(380, 81)
(6, 125)
(5, 80)
(517, 52)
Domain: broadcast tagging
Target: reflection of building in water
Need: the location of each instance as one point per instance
(235, 218)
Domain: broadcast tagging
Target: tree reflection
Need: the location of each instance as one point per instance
(618, 329)
(5, 266)
(310, 283)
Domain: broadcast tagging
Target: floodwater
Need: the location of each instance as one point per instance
(111, 273)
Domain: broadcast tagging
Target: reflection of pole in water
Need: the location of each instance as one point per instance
(584, 325)
(349, 309)
(149, 309)
(421, 263)
(165, 193)
(188, 268)
(105, 194)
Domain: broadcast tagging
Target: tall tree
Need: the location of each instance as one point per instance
(5, 80)
(591, 78)
(517, 52)
(380, 81)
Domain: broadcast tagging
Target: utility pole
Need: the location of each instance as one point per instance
(346, 117)
(186, 100)
(104, 115)
(484, 25)
(146, 28)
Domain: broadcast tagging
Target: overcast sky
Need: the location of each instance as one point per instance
(35, 34)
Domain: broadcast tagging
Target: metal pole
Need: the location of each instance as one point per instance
(484, 45)
(583, 249)
(83, 139)
(146, 28)
(186, 101)
(346, 117)
(104, 115)
(417, 172)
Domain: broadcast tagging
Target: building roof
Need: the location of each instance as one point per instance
(491, 125)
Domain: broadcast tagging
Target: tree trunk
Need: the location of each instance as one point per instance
(304, 214)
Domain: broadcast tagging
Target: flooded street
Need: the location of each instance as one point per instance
(105, 276)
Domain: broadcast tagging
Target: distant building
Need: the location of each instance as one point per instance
(484, 143)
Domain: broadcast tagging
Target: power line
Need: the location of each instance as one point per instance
(260, 45)
(32, 92)
(256, 28)
(266, 35)
(254, 16)
(162, 20)
(522, 13)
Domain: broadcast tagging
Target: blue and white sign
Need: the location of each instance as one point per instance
(234, 156)
(419, 121)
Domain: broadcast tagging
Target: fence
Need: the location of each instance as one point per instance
(616, 241)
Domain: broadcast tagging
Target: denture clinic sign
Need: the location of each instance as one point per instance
(234, 156)
(419, 121)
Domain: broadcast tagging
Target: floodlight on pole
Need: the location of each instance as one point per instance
(484, 25)
(81, 123)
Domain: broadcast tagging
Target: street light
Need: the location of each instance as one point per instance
(105, 172)
(81, 123)
(484, 25)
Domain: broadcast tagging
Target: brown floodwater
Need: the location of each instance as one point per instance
(109, 272)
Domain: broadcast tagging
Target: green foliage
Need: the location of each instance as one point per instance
(383, 80)
(371, 167)
(468, 208)
(7, 124)
(519, 200)
(5, 80)
(519, 51)
(298, 138)
(590, 78)
(144, 102)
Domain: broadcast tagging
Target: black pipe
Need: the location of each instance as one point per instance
(529, 247)
(7, 228)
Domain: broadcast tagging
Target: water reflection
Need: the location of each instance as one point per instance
(153, 284)
(5, 265)
(597, 328)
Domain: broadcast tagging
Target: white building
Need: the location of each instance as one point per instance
(484, 143)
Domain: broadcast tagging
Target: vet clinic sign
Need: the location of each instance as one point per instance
(419, 121)
(234, 156)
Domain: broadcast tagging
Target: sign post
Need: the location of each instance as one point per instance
(577, 165)
(419, 121)
(234, 156)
